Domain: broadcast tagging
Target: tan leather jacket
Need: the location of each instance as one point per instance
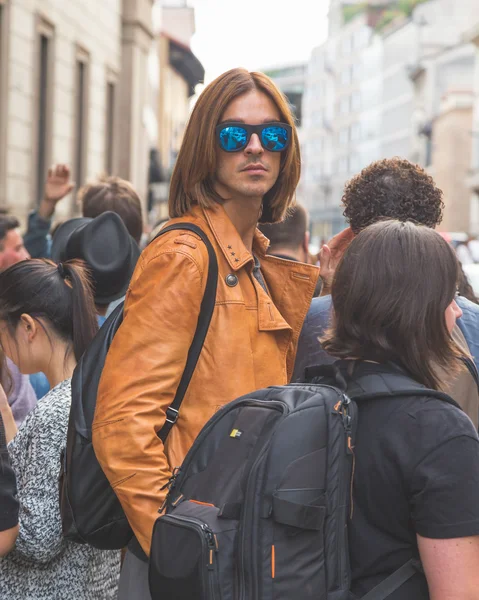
(251, 344)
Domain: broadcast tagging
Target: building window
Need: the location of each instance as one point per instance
(344, 105)
(343, 165)
(81, 117)
(346, 45)
(346, 76)
(355, 132)
(110, 125)
(43, 104)
(355, 102)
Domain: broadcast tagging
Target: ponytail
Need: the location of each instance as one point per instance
(61, 294)
(84, 322)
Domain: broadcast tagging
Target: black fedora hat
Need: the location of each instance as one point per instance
(107, 248)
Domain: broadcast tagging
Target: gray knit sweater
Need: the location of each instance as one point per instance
(43, 565)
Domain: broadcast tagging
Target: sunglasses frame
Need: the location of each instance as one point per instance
(250, 129)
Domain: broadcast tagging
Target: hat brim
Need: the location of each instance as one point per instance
(60, 239)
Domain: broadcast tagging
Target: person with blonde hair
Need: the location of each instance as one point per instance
(239, 164)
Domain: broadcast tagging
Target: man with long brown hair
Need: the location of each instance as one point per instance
(239, 164)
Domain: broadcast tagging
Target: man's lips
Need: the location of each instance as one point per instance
(255, 168)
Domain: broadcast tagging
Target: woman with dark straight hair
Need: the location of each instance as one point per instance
(47, 320)
(416, 480)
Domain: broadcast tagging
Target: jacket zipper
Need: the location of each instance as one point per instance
(244, 518)
(208, 541)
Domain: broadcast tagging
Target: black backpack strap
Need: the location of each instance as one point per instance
(413, 391)
(394, 581)
(204, 319)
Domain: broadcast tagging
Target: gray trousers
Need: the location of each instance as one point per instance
(134, 579)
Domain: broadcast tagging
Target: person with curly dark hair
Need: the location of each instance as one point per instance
(392, 188)
(387, 189)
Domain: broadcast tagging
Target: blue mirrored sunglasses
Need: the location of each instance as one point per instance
(233, 137)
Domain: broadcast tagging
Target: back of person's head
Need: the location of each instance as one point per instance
(390, 294)
(193, 178)
(116, 195)
(289, 233)
(58, 297)
(394, 189)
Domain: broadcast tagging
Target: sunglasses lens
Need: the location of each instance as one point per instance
(275, 139)
(233, 138)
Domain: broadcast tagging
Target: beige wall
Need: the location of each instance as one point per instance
(87, 24)
(114, 36)
(451, 160)
(136, 40)
(173, 108)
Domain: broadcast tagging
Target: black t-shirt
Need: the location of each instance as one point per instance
(416, 472)
(8, 489)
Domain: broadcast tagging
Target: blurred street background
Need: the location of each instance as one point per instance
(106, 86)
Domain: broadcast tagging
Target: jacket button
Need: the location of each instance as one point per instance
(231, 280)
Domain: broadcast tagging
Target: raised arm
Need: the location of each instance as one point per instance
(37, 237)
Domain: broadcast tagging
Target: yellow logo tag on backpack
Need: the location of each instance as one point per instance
(236, 433)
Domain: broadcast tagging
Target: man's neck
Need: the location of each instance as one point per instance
(284, 252)
(244, 214)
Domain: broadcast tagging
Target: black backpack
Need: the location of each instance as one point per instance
(259, 509)
(90, 510)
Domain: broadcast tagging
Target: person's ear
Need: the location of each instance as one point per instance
(29, 326)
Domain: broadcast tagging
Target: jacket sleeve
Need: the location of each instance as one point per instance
(310, 351)
(142, 372)
(469, 325)
(37, 238)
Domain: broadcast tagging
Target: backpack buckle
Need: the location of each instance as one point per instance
(171, 415)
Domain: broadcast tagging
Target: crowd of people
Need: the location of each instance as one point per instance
(385, 298)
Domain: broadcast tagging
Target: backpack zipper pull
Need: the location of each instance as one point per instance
(211, 542)
(169, 485)
(347, 422)
(171, 481)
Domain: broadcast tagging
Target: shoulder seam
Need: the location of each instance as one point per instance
(174, 251)
(450, 439)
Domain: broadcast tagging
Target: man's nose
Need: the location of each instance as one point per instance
(25, 254)
(254, 146)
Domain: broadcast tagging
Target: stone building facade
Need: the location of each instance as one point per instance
(376, 92)
(73, 85)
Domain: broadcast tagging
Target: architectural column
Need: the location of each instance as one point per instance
(133, 146)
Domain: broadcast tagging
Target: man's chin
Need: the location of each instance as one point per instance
(255, 191)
